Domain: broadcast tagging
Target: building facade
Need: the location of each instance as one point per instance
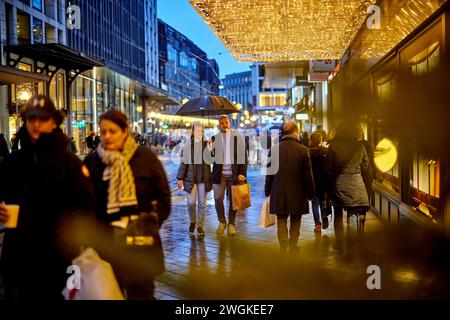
(184, 69)
(28, 22)
(237, 87)
(121, 34)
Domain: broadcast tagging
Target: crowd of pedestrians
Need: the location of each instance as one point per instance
(121, 182)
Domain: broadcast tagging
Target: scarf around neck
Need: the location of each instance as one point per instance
(122, 189)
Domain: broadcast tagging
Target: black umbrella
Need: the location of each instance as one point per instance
(207, 106)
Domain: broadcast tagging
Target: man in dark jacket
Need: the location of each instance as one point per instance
(229, 168)
(56, 201)
(291, 187)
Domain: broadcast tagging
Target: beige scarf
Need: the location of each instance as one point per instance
(122, 189)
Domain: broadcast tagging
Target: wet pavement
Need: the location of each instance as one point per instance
(250, 265)
(191, 261)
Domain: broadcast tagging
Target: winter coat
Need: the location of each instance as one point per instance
(151, 184)
(346, 164)
(56, 201)
(240, 162)
(318, 156)
(292, 185)
(188, 169)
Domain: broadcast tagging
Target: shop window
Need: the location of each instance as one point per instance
(426, 61)
(23, 28)
(425, 171)
(38, 32)
(386, 87)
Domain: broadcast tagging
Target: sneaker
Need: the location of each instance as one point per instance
(231, 230)
(192, 228)
(324, 222)
(221, 228)
(318, 228)
(200, 232)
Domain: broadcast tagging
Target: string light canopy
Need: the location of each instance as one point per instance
(399, 21)
(284, 30)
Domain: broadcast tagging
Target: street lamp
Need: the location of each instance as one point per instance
(23, 94)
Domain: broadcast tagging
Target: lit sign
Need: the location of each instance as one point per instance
(271, 119)
(301, 116)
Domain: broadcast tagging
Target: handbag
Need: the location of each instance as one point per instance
(266, 219)
(96, 279)
(240, 194)
(139, 246)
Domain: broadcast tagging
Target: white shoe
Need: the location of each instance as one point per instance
(221, 228)
(231, 230)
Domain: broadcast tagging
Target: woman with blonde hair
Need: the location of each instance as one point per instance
(194, 176)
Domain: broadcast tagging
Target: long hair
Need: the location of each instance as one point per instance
(347, 130)
(194, 125)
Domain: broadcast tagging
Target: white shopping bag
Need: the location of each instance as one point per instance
(97, 280)
(265, 218)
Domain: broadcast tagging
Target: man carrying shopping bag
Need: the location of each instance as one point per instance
(290, 187)
(230, 161)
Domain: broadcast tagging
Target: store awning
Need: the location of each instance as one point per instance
(55, 54)
(159, 96)
(9, 75)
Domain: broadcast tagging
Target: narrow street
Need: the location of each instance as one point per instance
(191, 259)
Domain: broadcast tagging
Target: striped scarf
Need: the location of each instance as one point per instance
(122, 189)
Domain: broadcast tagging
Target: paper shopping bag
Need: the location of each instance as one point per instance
(265, 218)
(240, 196)
(97, 280)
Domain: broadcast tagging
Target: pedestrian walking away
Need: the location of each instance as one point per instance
(347, 164)
(290, 187)
(318, 154)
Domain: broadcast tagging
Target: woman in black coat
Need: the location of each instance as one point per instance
(128, 180)
(347, 166)
(56, 199)
(194, 176)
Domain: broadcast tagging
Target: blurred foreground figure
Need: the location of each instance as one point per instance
(52, 188)
(127, 178)
(291, 187)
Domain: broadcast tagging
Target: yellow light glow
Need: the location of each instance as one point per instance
(280, 30)
(234, 116)
(139, 108)
(385, 155)
(242, 118)
(399, 20)
(24, 95)
(185, 100)
(239, 106)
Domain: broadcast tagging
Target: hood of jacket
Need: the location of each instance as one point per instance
(317, 151)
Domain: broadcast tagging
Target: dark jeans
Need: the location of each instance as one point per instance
(316, 204)
(219, 195)
(294, 230)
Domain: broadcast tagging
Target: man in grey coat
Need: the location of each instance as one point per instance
(291, 187)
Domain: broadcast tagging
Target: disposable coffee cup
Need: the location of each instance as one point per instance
(13, 211)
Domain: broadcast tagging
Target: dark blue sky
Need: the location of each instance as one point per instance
(180, 15)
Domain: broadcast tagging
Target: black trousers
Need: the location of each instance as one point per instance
(288, 237)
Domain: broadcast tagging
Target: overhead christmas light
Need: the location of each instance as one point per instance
(402, 19)
(284, 30)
